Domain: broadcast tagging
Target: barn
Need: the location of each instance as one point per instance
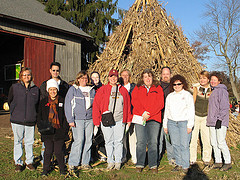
(31, 37)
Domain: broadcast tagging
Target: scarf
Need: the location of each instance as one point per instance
(53, 114)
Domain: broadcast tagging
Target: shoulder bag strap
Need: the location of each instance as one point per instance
(115, 99)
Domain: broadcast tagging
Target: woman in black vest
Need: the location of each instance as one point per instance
(53, 127)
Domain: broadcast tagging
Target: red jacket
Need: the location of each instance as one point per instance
(101, 102)
(152, 101)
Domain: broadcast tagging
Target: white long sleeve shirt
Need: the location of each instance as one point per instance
(179, 107)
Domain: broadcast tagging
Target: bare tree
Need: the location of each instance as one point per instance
(222, 33)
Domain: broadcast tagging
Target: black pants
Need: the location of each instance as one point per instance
(56, 147)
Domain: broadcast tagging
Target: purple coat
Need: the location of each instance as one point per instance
(218, 107)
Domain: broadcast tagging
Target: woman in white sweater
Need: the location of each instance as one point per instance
(179, 120)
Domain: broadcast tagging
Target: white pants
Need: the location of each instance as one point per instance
(219, 144)
(200, 126)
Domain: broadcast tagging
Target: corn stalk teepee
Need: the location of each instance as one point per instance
(148, 38)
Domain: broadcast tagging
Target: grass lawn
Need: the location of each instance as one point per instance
(127, 172)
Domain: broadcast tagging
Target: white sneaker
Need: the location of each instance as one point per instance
(117, 166)
(110, 166)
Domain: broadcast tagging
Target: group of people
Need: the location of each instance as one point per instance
(133, 118)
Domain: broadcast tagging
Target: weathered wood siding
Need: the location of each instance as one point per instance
(69, 55)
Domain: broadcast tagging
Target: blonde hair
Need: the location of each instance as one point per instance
(204, 73)
(79, 75)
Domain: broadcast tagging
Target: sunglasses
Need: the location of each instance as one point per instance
(178, 84)
(26, 75)
(55, 70)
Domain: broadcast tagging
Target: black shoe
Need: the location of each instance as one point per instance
(226, 167)
(63, 172)
(177, 168)
(18, 168)
(44, 173)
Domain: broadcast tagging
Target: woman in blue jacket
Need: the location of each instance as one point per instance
(78, 111)
(23, 99)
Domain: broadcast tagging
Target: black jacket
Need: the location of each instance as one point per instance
(23, 103)
(63, 89)
(43, 113)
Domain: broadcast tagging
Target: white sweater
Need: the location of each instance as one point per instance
(179, 107)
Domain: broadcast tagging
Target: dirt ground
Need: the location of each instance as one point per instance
(5, 125)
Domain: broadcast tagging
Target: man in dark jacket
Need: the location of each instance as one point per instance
(165, 82)
(23, 99)
(55, 68)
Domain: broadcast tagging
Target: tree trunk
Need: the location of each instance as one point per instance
(234, 87)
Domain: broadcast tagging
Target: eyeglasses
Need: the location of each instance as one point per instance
(55, 70)
(26, 75)
(178, 84)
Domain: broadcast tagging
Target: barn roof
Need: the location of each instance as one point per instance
(32, 11)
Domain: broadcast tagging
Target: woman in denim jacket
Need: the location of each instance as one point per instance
(78, 110)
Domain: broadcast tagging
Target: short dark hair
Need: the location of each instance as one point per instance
(218, 74)
(55, 64)
(155, 82)
(167, 68)
(178, 78)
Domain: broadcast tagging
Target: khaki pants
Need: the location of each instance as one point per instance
(200, 126)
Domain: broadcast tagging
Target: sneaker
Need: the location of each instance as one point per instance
(139, 169)
(103, 159)
(207, 167)
(86, 167)
(44, 173)
(226, 167)
(30, 167)
(172, 162)
(217, 165)
(117, 166)
(70, 167)
(177, 168)
(18, 168)
(154, 170)
(110, 166)
(185, 170)
(63, 172)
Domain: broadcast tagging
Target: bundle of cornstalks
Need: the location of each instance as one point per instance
(148, 38)
(233, 132)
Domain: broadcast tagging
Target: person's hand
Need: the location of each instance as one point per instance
(129, 124)
(165, 130)
(189, 130)
(146, 115)
(72, 124)
(218, 124)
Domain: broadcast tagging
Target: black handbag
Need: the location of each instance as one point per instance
(107, 118)
(45, 128)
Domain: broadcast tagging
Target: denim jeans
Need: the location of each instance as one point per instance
(219, 144)
(169, 146)
(81, 146)
(147, 135)
(20, 132)
(113, 137)
(180, 140)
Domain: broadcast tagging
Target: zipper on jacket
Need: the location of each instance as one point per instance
(25, 105)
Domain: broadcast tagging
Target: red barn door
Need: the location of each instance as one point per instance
(38, 55)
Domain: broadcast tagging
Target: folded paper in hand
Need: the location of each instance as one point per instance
(138, 120)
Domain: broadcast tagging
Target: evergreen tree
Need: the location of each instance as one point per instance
(92, 16)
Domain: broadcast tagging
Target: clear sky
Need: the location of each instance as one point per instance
(187, 13)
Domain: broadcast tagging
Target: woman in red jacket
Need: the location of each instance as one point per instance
(147, 101)
(104, 102)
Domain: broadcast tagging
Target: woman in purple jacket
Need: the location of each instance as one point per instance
(218, 120)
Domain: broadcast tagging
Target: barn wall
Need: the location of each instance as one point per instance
(69, 55)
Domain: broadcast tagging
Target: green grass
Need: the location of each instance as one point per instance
(127, 172)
